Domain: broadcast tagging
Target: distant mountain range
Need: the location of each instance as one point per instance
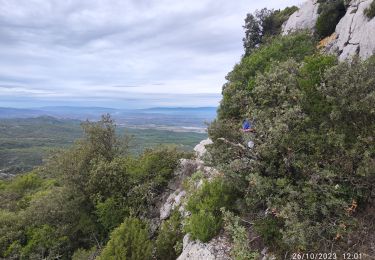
(150, 117)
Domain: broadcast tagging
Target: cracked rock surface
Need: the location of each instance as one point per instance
(355, 33)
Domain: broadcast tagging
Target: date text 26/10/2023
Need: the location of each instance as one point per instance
(326, 256)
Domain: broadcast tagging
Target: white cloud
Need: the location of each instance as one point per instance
(84, 50)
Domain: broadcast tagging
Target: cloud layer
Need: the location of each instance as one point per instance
(123, 53)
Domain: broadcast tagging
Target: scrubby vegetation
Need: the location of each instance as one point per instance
(311, 172)
(128, 241)
(205, 204)
(169, 240)
(81, 196)
(241, 249)
(306, 186)
(370, 11)
(263, 25)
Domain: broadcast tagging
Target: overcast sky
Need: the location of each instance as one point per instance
(120, 53)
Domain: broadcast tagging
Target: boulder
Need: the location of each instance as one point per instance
(303, 19)
(200, 149)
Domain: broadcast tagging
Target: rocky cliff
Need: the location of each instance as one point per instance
(354, 34)
(220, 246)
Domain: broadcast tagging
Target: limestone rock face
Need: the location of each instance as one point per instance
(355, 33)
(173, 201)
(303, 19)
(200, 148)
(217, 249)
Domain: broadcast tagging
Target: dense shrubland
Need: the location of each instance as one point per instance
(306, 186)
(83, 197)
(309, 181)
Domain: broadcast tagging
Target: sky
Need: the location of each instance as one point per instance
(120, 53)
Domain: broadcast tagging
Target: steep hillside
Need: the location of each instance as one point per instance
(288, 171)
(306, 180)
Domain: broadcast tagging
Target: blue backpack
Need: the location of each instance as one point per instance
(246, 125)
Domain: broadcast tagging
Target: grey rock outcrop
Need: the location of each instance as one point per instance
(200, 149)
(355, 33)
(303, 19)
(217, 249)
(173, 201)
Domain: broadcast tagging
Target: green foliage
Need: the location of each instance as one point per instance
(262, 25)
(370, 11)
(85, 254)
(203, 225)
(240, 248)
(314, 126)
(241, 80)
(128, 241)
(42, 242)
(212, 196)
(269, 228)
(205, 204)
(110, 213)
(169, 238)
(77, 198)
(24, 184)
(311, 75)
(272, 24)
(330, 13)
(158, 165)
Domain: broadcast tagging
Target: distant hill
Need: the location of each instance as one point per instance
(150, 117)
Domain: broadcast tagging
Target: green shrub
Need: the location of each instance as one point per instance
(330, 13)
(42, 242)
(169, 238)
(110, 213)
(25, 183)
(370, 11)
(269, 228)
(240, 247)
(128, 241)
(241, 80)
(272, 24)
(158, 164)
(212, 196)
(314, 128)
(263, 24)
(203, 225)
(311, 75)
(205, 204)
(84, 254)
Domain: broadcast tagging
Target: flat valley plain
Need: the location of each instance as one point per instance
(26, 142)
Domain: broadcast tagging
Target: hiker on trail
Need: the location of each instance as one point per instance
(246, 126)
